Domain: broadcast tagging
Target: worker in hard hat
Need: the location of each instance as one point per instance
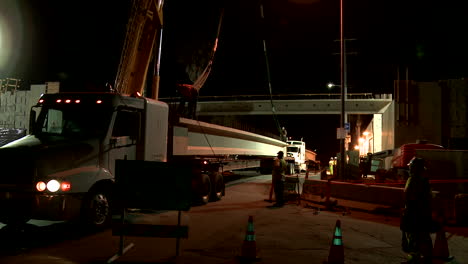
(416, 220)
(188, 94)
(330, 165)
(278, 178)
(284, 134)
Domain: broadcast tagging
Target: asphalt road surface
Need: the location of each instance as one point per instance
(294, 233)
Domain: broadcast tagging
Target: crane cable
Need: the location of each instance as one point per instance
(273, 110)
(197, 85)
(202, 79)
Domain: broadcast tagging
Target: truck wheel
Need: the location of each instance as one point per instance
(97, 210)
(218, 186)
(203, 189)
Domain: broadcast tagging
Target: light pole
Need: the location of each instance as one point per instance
(343, 85)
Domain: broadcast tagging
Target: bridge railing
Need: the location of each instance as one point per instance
(322, 96)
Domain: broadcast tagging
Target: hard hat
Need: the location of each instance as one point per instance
(417, 163)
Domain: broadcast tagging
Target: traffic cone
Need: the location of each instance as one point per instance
(336, 254)
(249, 246)
(440, 252)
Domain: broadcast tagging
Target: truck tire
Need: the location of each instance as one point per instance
(218, 186)
(96, 208)
(203, 189)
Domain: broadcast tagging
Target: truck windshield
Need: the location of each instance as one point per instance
(73, 121)
(292, 149)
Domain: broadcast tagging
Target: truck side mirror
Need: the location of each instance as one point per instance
(32, 121)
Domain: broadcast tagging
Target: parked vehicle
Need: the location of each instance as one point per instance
(65, 168)
(296, 150)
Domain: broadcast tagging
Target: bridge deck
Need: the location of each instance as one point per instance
(304, 104)
(292, 107)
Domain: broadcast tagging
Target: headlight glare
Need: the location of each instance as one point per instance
(53, 186)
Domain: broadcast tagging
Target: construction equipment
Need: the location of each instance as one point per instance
(65, 168)
(10, 84)
(144, 25)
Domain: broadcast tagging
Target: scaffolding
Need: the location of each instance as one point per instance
(9, 84)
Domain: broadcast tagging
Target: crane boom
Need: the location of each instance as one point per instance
(144, 25)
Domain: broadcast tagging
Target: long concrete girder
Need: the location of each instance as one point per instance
(292, 107)
(192, 137)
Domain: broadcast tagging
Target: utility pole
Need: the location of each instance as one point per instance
(345, 67)
(342, 79)
(344, 91)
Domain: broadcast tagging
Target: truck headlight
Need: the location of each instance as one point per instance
(41, 186)
(53, 186)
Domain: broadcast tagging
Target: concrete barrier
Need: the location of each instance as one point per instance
(377, 194)
(453, 206)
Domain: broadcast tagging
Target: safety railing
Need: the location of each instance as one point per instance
(317, 96)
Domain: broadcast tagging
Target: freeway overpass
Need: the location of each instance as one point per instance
(305, 104)
(379, 106)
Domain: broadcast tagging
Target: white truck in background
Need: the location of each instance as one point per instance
(297, 149)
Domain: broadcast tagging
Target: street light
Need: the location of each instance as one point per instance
(343, 85)
(343, 120)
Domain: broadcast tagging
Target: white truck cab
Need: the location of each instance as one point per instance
(65, 167)
(297, 150)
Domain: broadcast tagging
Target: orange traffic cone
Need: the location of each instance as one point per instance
(249, 246)
(336, 254)
(440, 252)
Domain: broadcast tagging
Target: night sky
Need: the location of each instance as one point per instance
(78, 43)
(58, 40)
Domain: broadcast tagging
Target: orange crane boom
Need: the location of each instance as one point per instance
(144, 25)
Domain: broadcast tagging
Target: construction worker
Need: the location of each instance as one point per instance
(186, 89)
(416, 220)
(188, 93)
(284, 134)
(270, 196)
(278, 178)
